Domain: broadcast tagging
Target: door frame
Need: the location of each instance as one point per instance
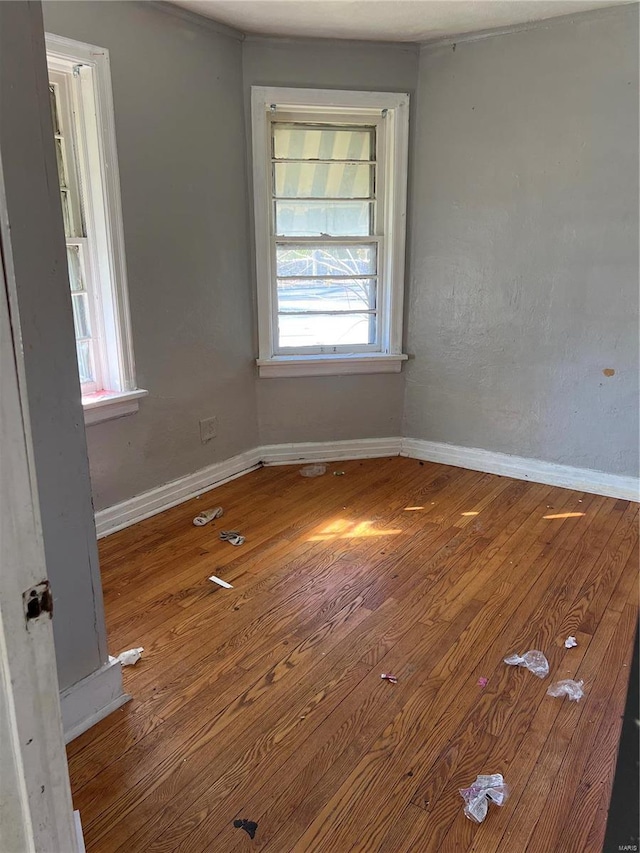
(36, 812)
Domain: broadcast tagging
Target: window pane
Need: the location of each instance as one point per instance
(54, 109)
(326, 330)
(358, 294)
(317, 143)
(304, 219)
(68, 169)
(328, 260)
(66, 214)
(323, 180)
(62, 174)
(85, 362)
(81, 315)
(75, 269)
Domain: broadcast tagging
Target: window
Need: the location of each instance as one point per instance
(330, 175)
(82, 115)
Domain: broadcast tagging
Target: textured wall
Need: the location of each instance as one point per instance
(177, 89)
(338, 407)
(524, 261)
(522, 243)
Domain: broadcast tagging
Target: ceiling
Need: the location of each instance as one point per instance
(383, 20)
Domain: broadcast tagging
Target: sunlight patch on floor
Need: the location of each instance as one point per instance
(565, 515)
(350, 530)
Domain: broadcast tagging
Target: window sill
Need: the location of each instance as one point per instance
(329, 365)
(107, 406)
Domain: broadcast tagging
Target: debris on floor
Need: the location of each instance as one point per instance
(207, 515)
(482, 681)
(249, 826)
(220, 582)
(533, 660)
(477, 796)
(572, 689)
(130, 657)
(570, 642)
(313, 470)
(338, 473)
(386, 676)
(232, 537)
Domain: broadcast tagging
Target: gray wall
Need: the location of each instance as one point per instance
(524, 266)
(177, 87)
(340, 407)
(522, 243)
(34, 249)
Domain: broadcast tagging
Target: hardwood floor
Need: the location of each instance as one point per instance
(265, 701)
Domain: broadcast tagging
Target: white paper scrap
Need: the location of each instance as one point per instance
(130, 657)
(221, 582)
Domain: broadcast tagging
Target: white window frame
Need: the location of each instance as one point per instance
(115, 392)
(390, 111)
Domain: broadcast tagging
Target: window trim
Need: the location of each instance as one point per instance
(309, 101)
(106, 407)
(104, 221)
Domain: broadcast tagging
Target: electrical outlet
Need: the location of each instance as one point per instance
(208, 429)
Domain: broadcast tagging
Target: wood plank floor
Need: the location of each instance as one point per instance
(265, 701)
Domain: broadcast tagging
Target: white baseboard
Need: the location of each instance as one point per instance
(79, 835)
(521, 468)
(157, 500)
(329, 451)
(88, 701)
(176, 492)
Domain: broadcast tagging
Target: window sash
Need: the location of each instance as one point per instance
(278, 349)
(388, 113)
(67, 131)
(95, 315)
(329, 121)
